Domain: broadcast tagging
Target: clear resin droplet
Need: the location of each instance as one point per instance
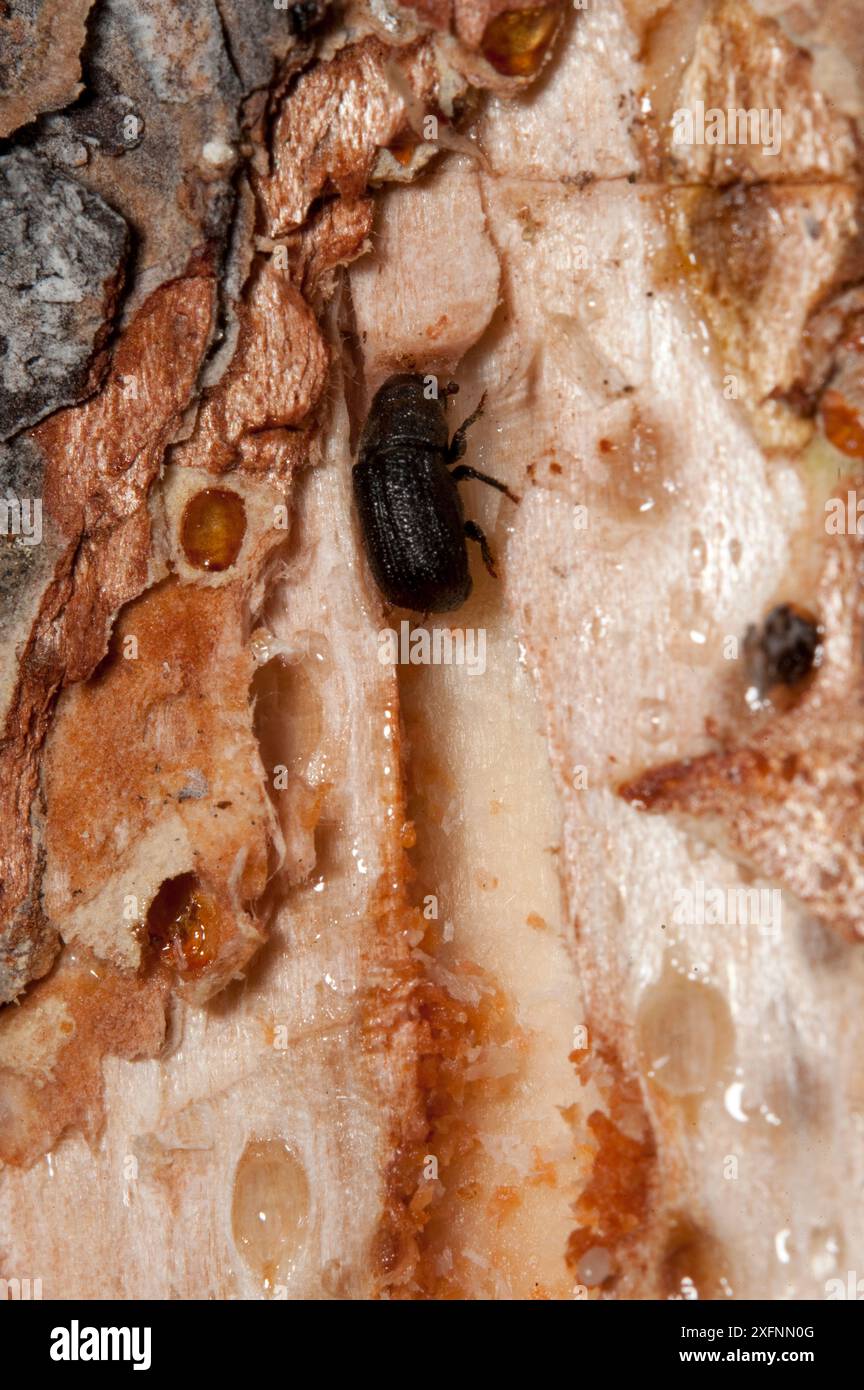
(270, 1210)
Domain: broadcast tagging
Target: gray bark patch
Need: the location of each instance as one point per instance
(61, 250)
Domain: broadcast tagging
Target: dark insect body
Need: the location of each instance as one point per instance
(411, 514)
(785, 650)
(303, 16)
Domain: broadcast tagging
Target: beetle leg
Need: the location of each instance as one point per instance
(459, 442)
(474, 533)
(463, 471)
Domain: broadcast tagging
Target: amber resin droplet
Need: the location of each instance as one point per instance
(403, 148)
(270, 1209)
(214, 524)
(843, 425)
(183, 925)
(516, 42)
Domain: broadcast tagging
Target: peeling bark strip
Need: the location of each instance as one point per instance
(100, 462)
(41, 45)
(281, 929)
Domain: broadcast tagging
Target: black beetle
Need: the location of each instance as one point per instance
(411, 514)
